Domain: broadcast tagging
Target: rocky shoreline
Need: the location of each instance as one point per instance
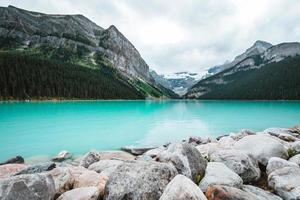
(241, 166)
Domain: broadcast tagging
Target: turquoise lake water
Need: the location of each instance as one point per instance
(46, 128)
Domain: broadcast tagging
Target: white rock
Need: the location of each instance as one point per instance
(296, 147)
(239, 162)
(83, 193)
(186, 159)
(262, 148)
(217, 173)
(182, 188)
(295, 159)
(285, 182)
(278, 163)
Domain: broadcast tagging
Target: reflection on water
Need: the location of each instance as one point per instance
(45, 128)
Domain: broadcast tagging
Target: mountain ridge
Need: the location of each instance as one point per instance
(283, 57)
(77, 40)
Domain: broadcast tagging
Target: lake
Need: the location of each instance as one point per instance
(45, 128)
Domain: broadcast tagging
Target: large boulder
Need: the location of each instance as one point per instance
(84, 193)
(222, 192)
(278, 163)
(10, 169)
(15, 160)
(38, 168)
(295, 159)
(239, 162)
(27, 187)
(182, 188)
(186, 158)
(262, 148)
(90, 158)
(260, 193)
(217, 173)
(105, 166)
(285, 182)
(139, 180)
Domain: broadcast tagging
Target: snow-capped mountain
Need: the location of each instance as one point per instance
(179, 82)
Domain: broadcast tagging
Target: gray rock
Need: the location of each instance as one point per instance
(187, 160)
(281, 133)
(106, 166)
(207, 149)
(260, 193)
(89, 158)
(278, 163)
(138, 180)
(136, 150)
(222, 192)
(295, 159)
(296, 130)
(16, 160)
(83, 193)
(262, 148)
(37, 168)
(27, 187)
(61, 156)
(285, 182)
(116, 155)
(182, 188)
(153, 153)
(217, 173)
(239, 162)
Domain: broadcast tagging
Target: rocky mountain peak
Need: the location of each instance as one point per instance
(75, 32)
(262, 44)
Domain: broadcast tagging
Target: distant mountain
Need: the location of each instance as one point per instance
(262, 72)
(74, 40)
(256, 49)
(178, 82)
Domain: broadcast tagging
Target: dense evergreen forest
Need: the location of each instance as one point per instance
(30, 76)
(277, 80)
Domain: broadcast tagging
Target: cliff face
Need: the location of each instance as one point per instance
(26, 29)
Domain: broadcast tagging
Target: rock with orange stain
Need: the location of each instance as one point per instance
(10, 169)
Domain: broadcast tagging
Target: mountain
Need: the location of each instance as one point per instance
(256, 49)
(77, 41)
(262, 72)
(178, 82)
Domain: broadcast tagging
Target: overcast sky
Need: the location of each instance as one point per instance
(185, 35)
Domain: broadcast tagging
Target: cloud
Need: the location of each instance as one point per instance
(181, 35)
